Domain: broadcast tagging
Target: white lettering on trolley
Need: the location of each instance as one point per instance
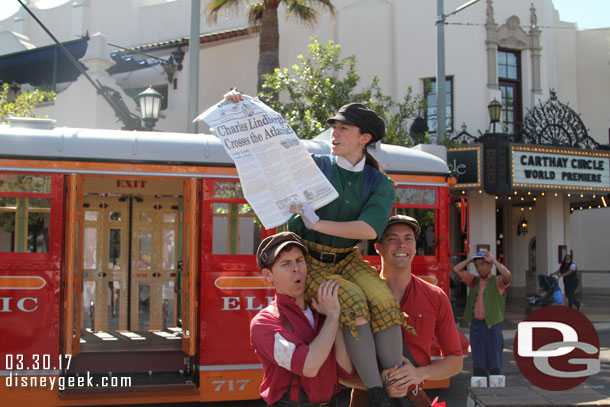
(230, 385)
(251, 303)
(6, 304)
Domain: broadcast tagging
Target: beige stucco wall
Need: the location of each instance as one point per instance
(567, 63)
(591, 249)
(593, 79)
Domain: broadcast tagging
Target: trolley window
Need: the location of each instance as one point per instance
(416, 196)
(235, 228)
(25, 183)
(27, 202)
(422, 204)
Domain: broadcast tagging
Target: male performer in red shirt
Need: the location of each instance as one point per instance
(429, 311)
(293, 341)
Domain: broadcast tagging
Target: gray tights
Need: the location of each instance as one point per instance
(388, 346)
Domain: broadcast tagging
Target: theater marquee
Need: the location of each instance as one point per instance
(563, 169)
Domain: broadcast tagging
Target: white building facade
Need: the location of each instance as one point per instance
(493, 49)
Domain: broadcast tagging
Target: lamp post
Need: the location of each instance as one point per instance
(440, 64)
(495, 110)
(150, 105)
(496, 153)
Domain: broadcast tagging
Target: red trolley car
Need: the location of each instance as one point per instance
(127, 267)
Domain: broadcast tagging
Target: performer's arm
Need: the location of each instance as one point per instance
(319, 349)
(356, 229)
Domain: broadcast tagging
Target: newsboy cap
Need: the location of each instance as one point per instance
(271, 247)
(407, 220)
(361, 116)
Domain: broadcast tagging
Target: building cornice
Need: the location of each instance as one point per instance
(203, 39)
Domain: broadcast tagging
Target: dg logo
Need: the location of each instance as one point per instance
(556, 348)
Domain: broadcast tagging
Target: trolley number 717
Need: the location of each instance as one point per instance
(230, 385)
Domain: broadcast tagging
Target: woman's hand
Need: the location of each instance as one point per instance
(234, 96)
(308, 214)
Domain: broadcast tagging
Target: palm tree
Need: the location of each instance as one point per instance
(263, 14)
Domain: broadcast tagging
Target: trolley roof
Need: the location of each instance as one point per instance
(37, 139)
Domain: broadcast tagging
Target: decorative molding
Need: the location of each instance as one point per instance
(491, 41)
(490, 12)
(512, 42)
(512, 36)
(534, 45)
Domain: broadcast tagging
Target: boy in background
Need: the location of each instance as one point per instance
(485, 312)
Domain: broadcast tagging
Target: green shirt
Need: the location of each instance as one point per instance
(493, 301)
(348, 207)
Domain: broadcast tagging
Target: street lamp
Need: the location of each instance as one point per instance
(495, 110)
(440, 64)
(178, 56)
(150, 105)
(522, 226)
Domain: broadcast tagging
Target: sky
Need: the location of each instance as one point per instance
(587, 13)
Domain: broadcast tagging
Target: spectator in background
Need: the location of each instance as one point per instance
(485, 312)
(567, 271)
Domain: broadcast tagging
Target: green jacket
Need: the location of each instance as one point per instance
(493, 301)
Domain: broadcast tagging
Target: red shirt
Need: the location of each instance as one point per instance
(282, 350)
(431, 315)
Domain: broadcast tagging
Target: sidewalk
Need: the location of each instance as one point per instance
(595, 307)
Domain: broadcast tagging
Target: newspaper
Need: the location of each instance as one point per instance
(274, 167)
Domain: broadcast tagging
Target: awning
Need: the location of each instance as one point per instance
(43, 66)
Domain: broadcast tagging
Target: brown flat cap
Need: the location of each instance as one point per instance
(407, 220)
(271, 247)
(361, 116)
